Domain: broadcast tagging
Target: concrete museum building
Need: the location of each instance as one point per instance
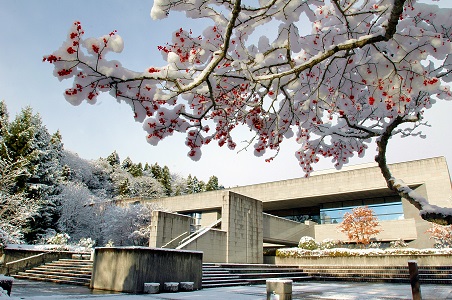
(234, 225)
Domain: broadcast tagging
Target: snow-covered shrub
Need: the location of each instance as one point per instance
(308, 243)
(59, 239)
(86, 243)
(374, 245)
(329, 244)
(109, 243)
(398, 244)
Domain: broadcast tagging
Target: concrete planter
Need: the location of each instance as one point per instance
(127, 269)
(386, 260)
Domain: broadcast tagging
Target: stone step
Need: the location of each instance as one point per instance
(223, 284)
(429, 274)
(74, 271)
(61, 270)
(67, 271)
(68, 264)
(220, 275)
(388, 280)
(379, 274)
(50, 273)
(55, 280)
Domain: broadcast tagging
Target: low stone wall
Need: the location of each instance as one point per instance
(26, 259)
(387, 260)
(127, 269)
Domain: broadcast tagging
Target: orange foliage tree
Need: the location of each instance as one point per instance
(441, 234)
(360, 225)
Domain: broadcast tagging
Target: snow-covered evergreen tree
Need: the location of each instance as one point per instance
(27, 139)
(15, 208)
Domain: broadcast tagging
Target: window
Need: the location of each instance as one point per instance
(384, 208)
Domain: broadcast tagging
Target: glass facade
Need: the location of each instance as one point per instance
(385, 208)
(389, 208)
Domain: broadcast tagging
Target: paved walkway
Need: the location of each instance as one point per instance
(23, 289)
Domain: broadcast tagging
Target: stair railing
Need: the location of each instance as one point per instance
(197, 234)
(11, 267)
(175, 239)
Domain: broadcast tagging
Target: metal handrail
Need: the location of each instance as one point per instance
(174, 239)
(197, 234)
(28, 258)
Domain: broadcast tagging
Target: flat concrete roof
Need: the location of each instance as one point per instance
(354, 182)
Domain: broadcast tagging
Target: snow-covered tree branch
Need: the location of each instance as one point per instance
(365, 71)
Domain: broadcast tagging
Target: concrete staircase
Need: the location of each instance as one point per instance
(78, 272)
(220, 275)
(395, 274)
(65, 271)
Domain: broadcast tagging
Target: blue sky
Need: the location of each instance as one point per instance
(30, 29)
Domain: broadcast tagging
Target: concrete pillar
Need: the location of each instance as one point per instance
(279, 289)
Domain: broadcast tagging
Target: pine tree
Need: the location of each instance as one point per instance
(212, 184)
(166, 181)
(4, 118)
(194, 185)
(28, 139)
(156, 171)
(113, 159)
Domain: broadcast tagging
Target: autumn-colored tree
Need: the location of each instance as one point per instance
(334, 76)
(360, 225)
(441, 234)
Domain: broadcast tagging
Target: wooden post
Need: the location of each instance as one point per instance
(414, 280)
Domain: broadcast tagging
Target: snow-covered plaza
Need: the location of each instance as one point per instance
(28, 290)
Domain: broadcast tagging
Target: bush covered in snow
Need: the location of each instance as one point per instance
(307, 243)
(59, 239)
(398, 244)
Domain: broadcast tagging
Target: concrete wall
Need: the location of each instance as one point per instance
(208, 217)
(167, 226)
(278, 230)
(391, 231)
(388, 260)
(126, 269)
(242, 220)
(213, 244)
(432, 172)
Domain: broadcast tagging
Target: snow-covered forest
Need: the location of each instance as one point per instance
(46, 189)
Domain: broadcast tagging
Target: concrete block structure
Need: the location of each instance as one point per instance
(235, 224)
(128, 269)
